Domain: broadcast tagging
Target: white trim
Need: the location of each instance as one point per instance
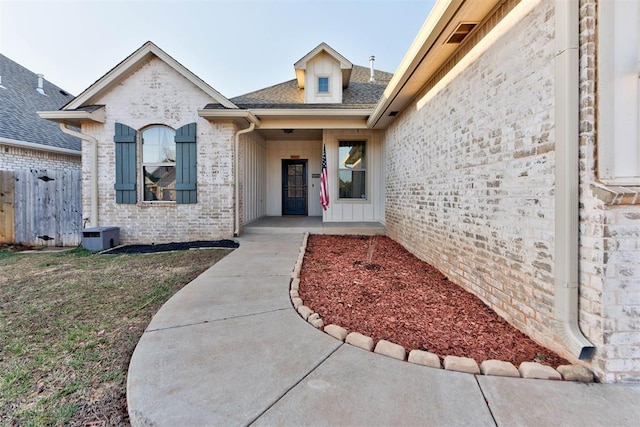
(39, 147)
(328, 92)
(123, 69)
(367, 173)
(234, 114)
(311, 112)
(301, 65)
(618, 93)
(74, 117)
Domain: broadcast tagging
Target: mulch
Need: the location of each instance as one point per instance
(374, 286)
(174, 246)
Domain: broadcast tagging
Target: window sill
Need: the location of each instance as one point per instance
(617, 195)
(159, 203)
(353, 201)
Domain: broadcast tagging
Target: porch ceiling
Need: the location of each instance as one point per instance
(295, 135)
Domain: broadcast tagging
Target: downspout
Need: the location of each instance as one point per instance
(93, 222)
(567, 179)
(236, 173)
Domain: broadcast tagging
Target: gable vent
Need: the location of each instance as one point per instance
(461, 32)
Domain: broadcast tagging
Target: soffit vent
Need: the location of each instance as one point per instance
(461, 32)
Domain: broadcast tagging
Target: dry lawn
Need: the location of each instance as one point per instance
(69, 323)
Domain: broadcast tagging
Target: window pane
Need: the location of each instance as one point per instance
(323, 84)
(158, 145)
(159, 183)
(353, 184)
(352, 155)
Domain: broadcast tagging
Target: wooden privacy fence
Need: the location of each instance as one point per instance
(41, 207)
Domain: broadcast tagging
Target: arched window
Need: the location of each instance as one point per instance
(159, 163)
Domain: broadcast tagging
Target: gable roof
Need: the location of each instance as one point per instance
(130, 64)
(361, 93)
(301, 65)
(19, 101)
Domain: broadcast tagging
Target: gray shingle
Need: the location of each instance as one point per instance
(361, 93)
(19, 102)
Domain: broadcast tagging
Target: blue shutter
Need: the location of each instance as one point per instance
(126, 174)
(186, 166)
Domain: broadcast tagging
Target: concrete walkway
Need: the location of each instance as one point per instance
(229, 349)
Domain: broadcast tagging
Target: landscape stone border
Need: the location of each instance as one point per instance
(532, 370)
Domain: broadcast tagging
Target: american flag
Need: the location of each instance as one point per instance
(324, 181)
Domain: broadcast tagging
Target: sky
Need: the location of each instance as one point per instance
(236, 46)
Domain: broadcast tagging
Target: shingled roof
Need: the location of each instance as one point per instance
(19, 101)
(361, 93)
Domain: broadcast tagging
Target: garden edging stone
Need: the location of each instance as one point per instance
(533, 370)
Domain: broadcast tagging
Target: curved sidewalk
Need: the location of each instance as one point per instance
(229, 349)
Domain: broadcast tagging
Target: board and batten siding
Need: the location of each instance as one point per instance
(323, 65)
(253, 169)
(355, 210)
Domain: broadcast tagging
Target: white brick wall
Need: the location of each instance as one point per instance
(157, 94)
(470, 177)
(470, 184)
(16, 158)
(610, 241)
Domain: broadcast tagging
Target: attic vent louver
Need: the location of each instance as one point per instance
(461, 32)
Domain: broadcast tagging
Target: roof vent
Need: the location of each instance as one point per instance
(371, 61)
(40, 87)
(461, 32)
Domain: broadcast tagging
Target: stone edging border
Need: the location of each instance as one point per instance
(532, 370)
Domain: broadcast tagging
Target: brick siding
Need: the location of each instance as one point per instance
(17, 158)
(157, 94)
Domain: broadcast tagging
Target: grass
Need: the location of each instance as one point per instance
(69, 323)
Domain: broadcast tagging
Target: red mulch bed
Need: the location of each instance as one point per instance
(374, 286)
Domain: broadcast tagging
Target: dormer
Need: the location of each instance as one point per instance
(323, 73)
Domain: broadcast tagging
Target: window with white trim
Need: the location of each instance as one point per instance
(619, 92)
(159, 164)
(352, 169)
(323, 85)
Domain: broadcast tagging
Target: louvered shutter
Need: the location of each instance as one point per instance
(186, 165)
(126, 170)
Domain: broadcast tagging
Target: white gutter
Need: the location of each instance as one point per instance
(236, 162)
(93, 221)
(39, 147)
(567, 178)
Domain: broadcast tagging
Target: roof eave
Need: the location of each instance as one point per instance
(39, 147)
(427, 54)
(74, 117)
(236, 115)
(438, 18)
(312, 112)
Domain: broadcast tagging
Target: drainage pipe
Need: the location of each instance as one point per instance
(236, 163)
(567, 179)
(93, 221)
